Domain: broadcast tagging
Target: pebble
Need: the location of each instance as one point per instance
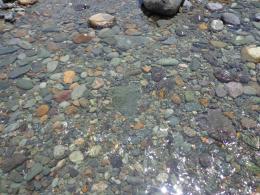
(59, 151)
(98, 83)
(221, 91)
(69, 76)
(76, 157)
(25, 84)
(102, 20)
(100, 186)
(251, 54)
(52, 65)
(19, 71)
(95, 151)
(168, 62)
(230, 18)
(81, 38)
(78, 92)
(42, 110)
(214, 6)
(235, 89)
(217, 25)
(35, 170)
(27, 2)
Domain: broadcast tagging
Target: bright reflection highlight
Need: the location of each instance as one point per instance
(164, 190)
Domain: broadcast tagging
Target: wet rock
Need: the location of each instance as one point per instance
(59, 151)
(27, 2)
(7, 50)
(116, 161)
(251, 53)
(7, 61)
(19, 71)
(42, 110)
(173, 121)
(205, 160)
(76, 157)
(81, 38)
(125, 99)
(230, 18)
(73, 172)
(36, 169)
(157, 74)
(168, 62)
(234, 89)
(217, 25)
(94, 151)
(78, 92)
(221, 91)
(52, 65)
(168, 8)
(69, 76)
(98, 83)
(248, 123)
(4, 84)
(132, 180)
(223, 75)
(102, 20)
(217, 125)
(25, 84)
(214, 6)
(13, 162)
(16, 177)
(100, 186)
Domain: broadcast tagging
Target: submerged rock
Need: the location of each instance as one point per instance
(102, 20)
(163, 7)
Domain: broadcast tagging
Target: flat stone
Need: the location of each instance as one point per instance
(78, 92)
(25, 84)
(168, 62)
(76, 157)
(102, 20)
(220, 91)
(7, 50)
(125, 99)
(81, 38)
(7, 61)
(52, 65)
(13, 162)
(234, 89)
(19, 71)
(36, 169)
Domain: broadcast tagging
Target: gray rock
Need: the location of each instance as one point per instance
(230, 18)
(214, 6)
(170, 41)
(163, 7)
(25, 84)
(35, 170)
(235, 89)
(134, 180)
(216, 25)
(78, 92)
(52, 65)
(168, 62)
(59, 151)
(7, 61)
(13, 162)
(24, 44)
(7, 50)
(16, 177)
(125, 99)
(174, 121)
(19, 71)
(220, 91)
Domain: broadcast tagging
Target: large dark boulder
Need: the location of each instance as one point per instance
(163, 7)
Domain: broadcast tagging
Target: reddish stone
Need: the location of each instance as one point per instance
(81, 38)
(62, 96)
